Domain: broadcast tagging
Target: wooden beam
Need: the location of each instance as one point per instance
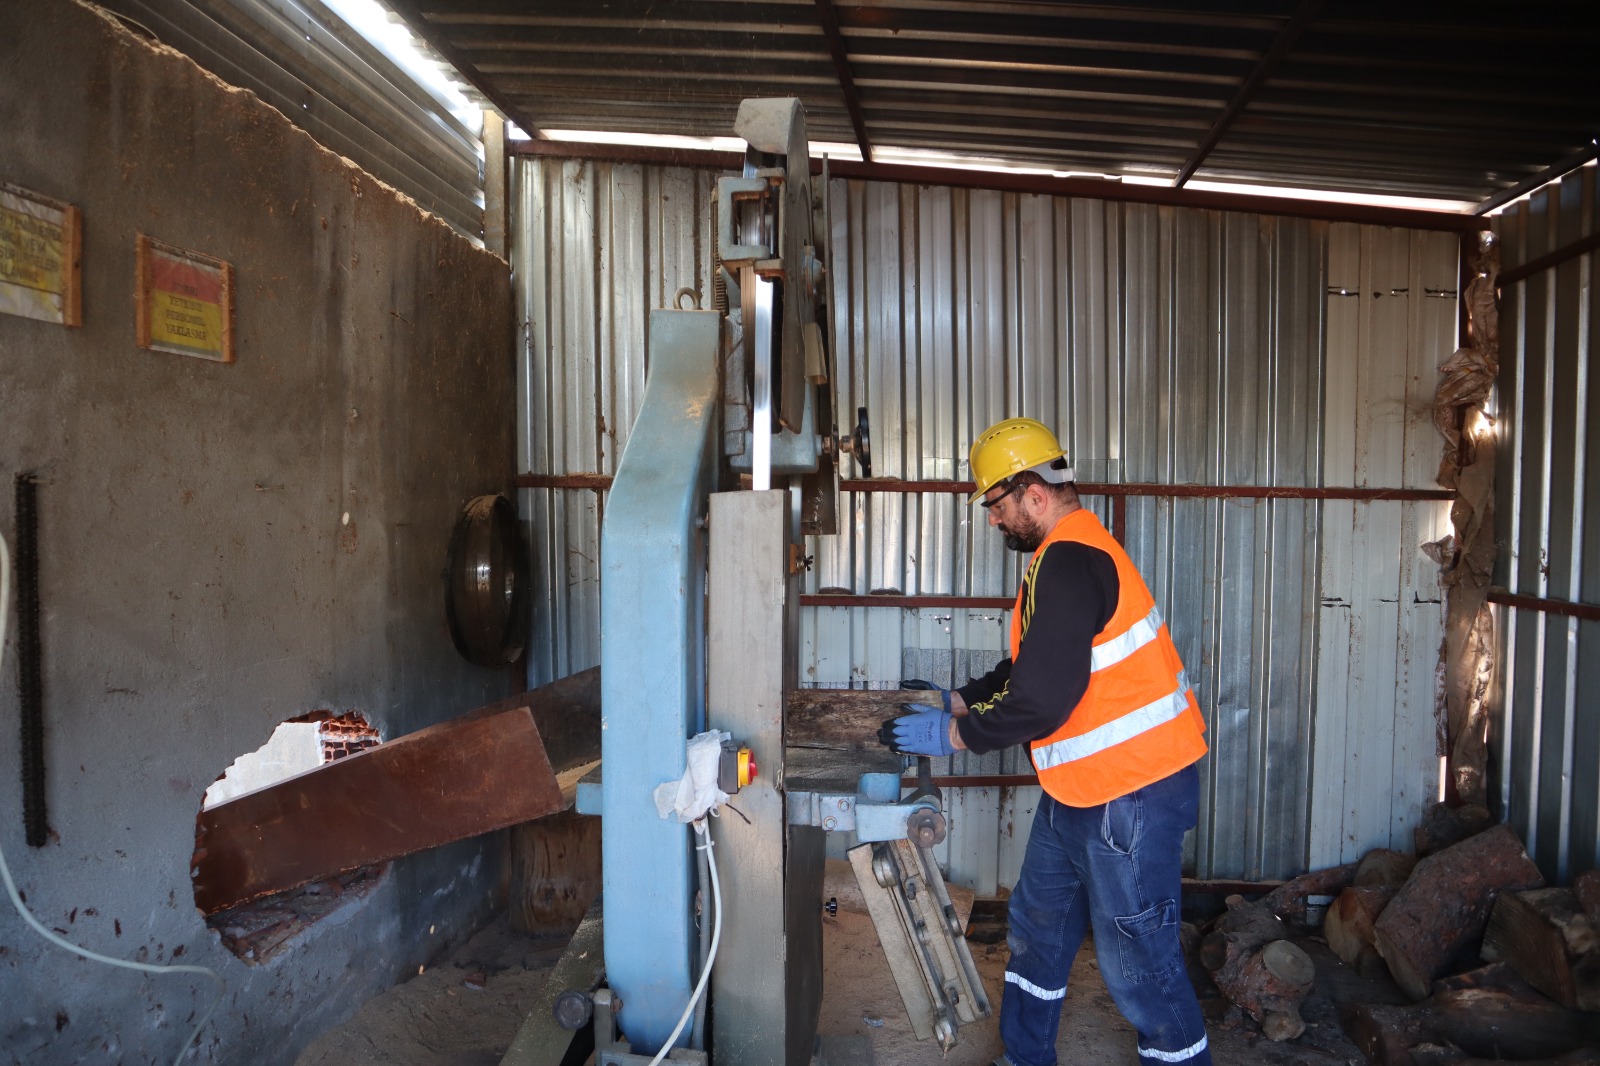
(485, 770)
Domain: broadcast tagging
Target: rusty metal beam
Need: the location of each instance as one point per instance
(1211, 492)
(485, 770)
(828, 18)
(886, 599)
(1541, 179)
(1264, 69)
(1589, 612)
(1085, 488)
(1581, 246)
(563, 481)
(1040, 184)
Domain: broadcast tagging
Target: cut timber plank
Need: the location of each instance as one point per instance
(1547, 938)
(1436, 921)
(555, 872)
(830, 735)
(844, 719)
(482, 771)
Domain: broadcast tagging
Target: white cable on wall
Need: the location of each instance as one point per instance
(27, 916)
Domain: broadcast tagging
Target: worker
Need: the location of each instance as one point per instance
(1095, 687)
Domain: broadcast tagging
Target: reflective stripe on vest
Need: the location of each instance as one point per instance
(1137, 721)
(1119, 648)
(1115, 731)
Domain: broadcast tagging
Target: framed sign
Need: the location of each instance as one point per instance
(183, 302)
(41, 246)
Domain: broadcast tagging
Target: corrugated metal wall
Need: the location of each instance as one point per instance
(1547, 737)
(1169, 346)
(1376, 749)
(302, 59)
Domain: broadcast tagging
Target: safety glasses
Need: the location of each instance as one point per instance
(1011, 487)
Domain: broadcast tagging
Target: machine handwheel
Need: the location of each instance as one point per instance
(862, 444)
(487, 578)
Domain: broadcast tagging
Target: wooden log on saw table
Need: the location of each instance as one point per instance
(1436, 921)
(1547, 938)
(485, 770)
(1350, 927)
(1257, 969)
(832, 733)
(1489, 1023)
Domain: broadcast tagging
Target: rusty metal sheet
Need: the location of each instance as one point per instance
(482, 771)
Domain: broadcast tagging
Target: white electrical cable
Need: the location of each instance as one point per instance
(22, 909)
(716, 935)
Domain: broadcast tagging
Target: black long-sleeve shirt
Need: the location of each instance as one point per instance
(1068, 595)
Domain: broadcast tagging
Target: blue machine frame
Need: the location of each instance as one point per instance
(652, 670)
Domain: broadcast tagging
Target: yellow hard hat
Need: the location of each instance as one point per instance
(1010, 447)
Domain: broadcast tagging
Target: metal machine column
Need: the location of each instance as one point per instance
(652, 677)
(767, 984)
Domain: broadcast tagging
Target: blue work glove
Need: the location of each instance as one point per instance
(916, 684)
(920, 731)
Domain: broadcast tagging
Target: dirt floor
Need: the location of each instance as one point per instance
(443, 1017)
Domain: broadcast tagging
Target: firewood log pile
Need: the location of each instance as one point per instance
(1430, 922)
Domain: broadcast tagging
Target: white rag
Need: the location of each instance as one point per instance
(696, 792)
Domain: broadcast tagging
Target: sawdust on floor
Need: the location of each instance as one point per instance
(439, 1018)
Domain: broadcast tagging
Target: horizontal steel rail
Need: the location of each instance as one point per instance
(1588, 612)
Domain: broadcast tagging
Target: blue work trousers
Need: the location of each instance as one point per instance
(1119, 867)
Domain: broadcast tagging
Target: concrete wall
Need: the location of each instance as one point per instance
(224, 547)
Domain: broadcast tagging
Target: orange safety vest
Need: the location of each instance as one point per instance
(1138, 720)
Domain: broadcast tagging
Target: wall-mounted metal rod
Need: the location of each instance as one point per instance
(30, 658)
(890, 599)
(563, 481)
(1085, 488)
(1589, 612)
(1249, 492)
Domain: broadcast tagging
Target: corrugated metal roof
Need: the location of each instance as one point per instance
(1454, 101)
(302, 59)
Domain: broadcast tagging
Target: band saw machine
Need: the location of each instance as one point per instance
(711, 929)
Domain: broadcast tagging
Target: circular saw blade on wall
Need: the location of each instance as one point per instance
(487, 578)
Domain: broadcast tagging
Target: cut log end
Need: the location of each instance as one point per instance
(1288, 963)
(1278, 1025)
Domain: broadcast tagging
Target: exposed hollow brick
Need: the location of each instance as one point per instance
(346, 734)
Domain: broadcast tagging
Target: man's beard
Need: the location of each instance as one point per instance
(1026, 537)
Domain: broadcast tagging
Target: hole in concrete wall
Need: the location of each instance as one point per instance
(262, 928)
